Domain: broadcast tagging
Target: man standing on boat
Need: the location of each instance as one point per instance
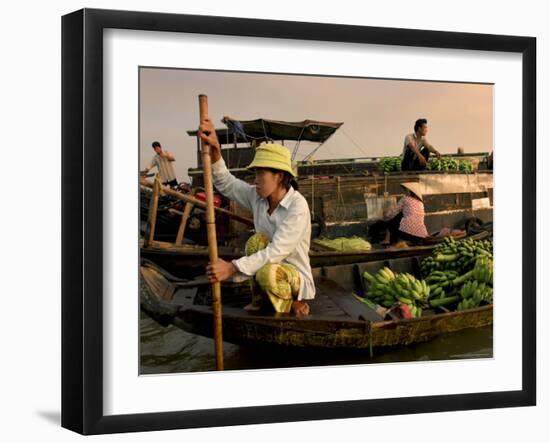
(163, 161)
(416, 148)
(278, 254)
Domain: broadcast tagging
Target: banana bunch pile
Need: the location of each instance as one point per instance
(450, 164)
(389, 164)
(449, 246)
(457, 255)
(388, 289)
(468, 290)
(442, 290)
(465, 166)
(473, 293)
(482, 272)
(443, 164)
(463, 280)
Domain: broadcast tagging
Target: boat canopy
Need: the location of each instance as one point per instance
(261, 129)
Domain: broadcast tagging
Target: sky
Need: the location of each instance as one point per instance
(377, 113)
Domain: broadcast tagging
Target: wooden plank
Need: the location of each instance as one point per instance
(346, 301)
(152, 216)
(324, 306)
(159, 285)
(184, 217)
(146, 187)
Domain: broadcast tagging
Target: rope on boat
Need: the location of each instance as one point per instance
(297, 144)
(307, 157)
(354, 142)
(265, 132)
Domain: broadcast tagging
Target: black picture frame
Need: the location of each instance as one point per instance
(82, 216)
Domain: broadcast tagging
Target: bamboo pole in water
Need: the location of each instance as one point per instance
(212, 241)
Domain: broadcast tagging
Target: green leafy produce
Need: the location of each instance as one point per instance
(345, 243)
(390, 164)
(256, 243)
(450, 164)
(443, 164)
(465, 166)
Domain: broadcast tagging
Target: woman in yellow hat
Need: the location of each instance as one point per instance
(278, 255)
(404, 222)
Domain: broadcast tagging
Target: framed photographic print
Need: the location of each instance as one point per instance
(269, 221)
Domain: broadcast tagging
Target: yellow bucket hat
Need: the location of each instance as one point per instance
(272, 155)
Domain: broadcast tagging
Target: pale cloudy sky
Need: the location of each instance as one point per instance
(377, 114)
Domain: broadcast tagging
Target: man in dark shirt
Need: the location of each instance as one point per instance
(416, 148)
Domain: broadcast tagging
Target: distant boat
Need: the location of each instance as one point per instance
(343, 194)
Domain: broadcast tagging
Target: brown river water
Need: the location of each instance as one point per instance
(171, 350)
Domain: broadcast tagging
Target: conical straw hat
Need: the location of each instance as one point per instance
(415, 188)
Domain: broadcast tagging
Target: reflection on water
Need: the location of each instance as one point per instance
(169, 350)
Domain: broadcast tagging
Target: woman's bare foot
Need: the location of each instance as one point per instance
(300, 308)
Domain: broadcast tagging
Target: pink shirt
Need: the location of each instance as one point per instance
(413, 216)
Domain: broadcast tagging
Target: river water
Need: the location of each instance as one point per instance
(171, 350)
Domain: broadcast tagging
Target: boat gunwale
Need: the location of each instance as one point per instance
(412, 250)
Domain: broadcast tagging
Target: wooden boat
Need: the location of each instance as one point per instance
(187, 261)
(338, 319)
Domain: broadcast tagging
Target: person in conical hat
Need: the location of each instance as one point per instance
(278, 257)
(405, 221)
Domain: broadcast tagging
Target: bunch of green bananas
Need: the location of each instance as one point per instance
(473, 294)
(448, 247)
(389, 289)
(378, 286)
(454, 267)
(467, 252)
(465, 166)
(481, 272)
(389, 164)
(456, 255)
(442, 291)
(443, 164)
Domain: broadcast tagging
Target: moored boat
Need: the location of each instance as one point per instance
(188, 261)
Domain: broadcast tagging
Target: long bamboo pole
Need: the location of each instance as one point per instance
(212, 241)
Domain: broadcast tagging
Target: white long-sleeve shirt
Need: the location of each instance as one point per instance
(288, 227)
